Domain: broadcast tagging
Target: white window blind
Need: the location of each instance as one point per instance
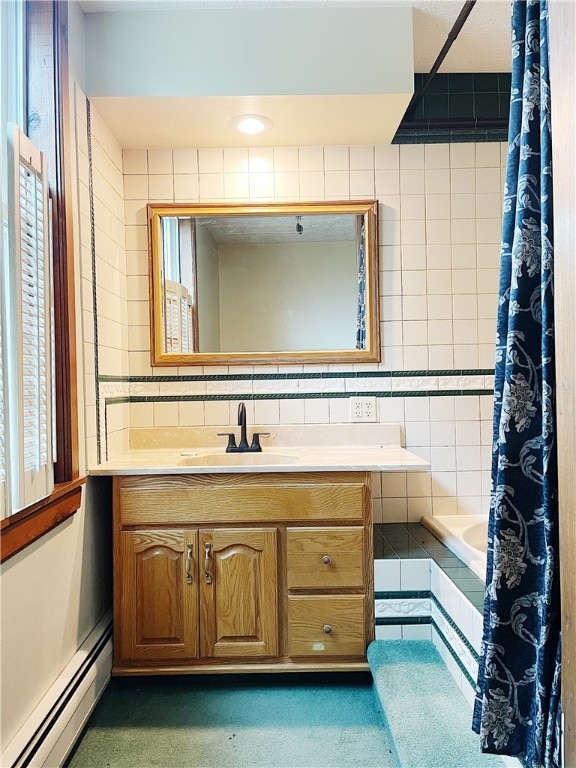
(178, 326)
(31, 359)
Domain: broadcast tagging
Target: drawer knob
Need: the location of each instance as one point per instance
(326, 629)
(326, 559)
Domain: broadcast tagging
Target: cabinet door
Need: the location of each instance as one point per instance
(158, 595)
(239, 593)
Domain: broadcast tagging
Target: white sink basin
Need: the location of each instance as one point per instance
(237, 459)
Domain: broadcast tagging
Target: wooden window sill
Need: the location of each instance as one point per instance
(23, 528)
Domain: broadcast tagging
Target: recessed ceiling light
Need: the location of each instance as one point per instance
(251, 124)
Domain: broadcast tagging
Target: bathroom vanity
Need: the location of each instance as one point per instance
(239, 562)
(236, 572)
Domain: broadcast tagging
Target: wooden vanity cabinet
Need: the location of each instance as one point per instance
(240, 572)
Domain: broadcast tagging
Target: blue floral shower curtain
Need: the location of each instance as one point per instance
(361, 314)
(517, 702)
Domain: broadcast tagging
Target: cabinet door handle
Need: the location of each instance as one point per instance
(189, 578)
(207, 574)
(326, 559)
(327, 629)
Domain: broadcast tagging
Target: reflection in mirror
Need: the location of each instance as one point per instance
(264, 283)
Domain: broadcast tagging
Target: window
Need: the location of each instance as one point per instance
(12, 68)
(39, 479)
(29, 305)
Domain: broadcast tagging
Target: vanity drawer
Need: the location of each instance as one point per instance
(325, 557)
(183, 499)
(326, 626)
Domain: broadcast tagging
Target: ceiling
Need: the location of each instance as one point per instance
(316, 228)
(483, 45)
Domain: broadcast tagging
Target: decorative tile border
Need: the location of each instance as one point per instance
(454, 653)
(161, 378)
(156, 398)
(463, 653)
(401, 608)
(297, 386)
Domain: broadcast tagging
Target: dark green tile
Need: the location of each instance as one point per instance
(436, 105)
(411, 553)
(504, 105)
(390, 528)
(463, 137)
(439, 84)
(486, 82)
(461, 82)
(382, 550)
(468, 585)
(461, 105)
(486, 105)
(448, 563)
(419, 79)
(477, 600)
(419, 112)
(504, 82)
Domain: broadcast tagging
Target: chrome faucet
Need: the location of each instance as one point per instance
(243, 446)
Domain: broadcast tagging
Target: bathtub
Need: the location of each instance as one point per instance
(465, 535)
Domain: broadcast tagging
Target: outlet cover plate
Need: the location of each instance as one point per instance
(363, 409)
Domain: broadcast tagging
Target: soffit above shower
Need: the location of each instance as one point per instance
(323, 75)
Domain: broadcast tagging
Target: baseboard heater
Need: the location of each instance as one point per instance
(48, 735)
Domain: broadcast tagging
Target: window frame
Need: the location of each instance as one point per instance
(48, 126)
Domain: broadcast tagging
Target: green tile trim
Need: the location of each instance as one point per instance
(305, 395)
(117, 400)
(454, 655)
(424, 594)
(93, 268)
(392, 621)
(404, 136)
(469, 647)
(303, 375)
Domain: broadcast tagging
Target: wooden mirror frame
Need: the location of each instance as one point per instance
(159, 357)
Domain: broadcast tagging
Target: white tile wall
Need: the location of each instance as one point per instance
(439, 245)
(108, 164)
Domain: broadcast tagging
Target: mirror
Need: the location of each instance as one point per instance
(264, 283)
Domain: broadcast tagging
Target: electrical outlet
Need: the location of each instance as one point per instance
(363, 408)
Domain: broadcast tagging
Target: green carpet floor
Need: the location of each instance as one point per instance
(240, 721)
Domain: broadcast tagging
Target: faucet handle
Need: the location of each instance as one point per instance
(256, 440)
(231, 440)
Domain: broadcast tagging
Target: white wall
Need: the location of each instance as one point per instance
(208, 287)
(245, 51)
(54, 592)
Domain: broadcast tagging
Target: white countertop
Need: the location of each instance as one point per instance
(321, 458)
(285, 448)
